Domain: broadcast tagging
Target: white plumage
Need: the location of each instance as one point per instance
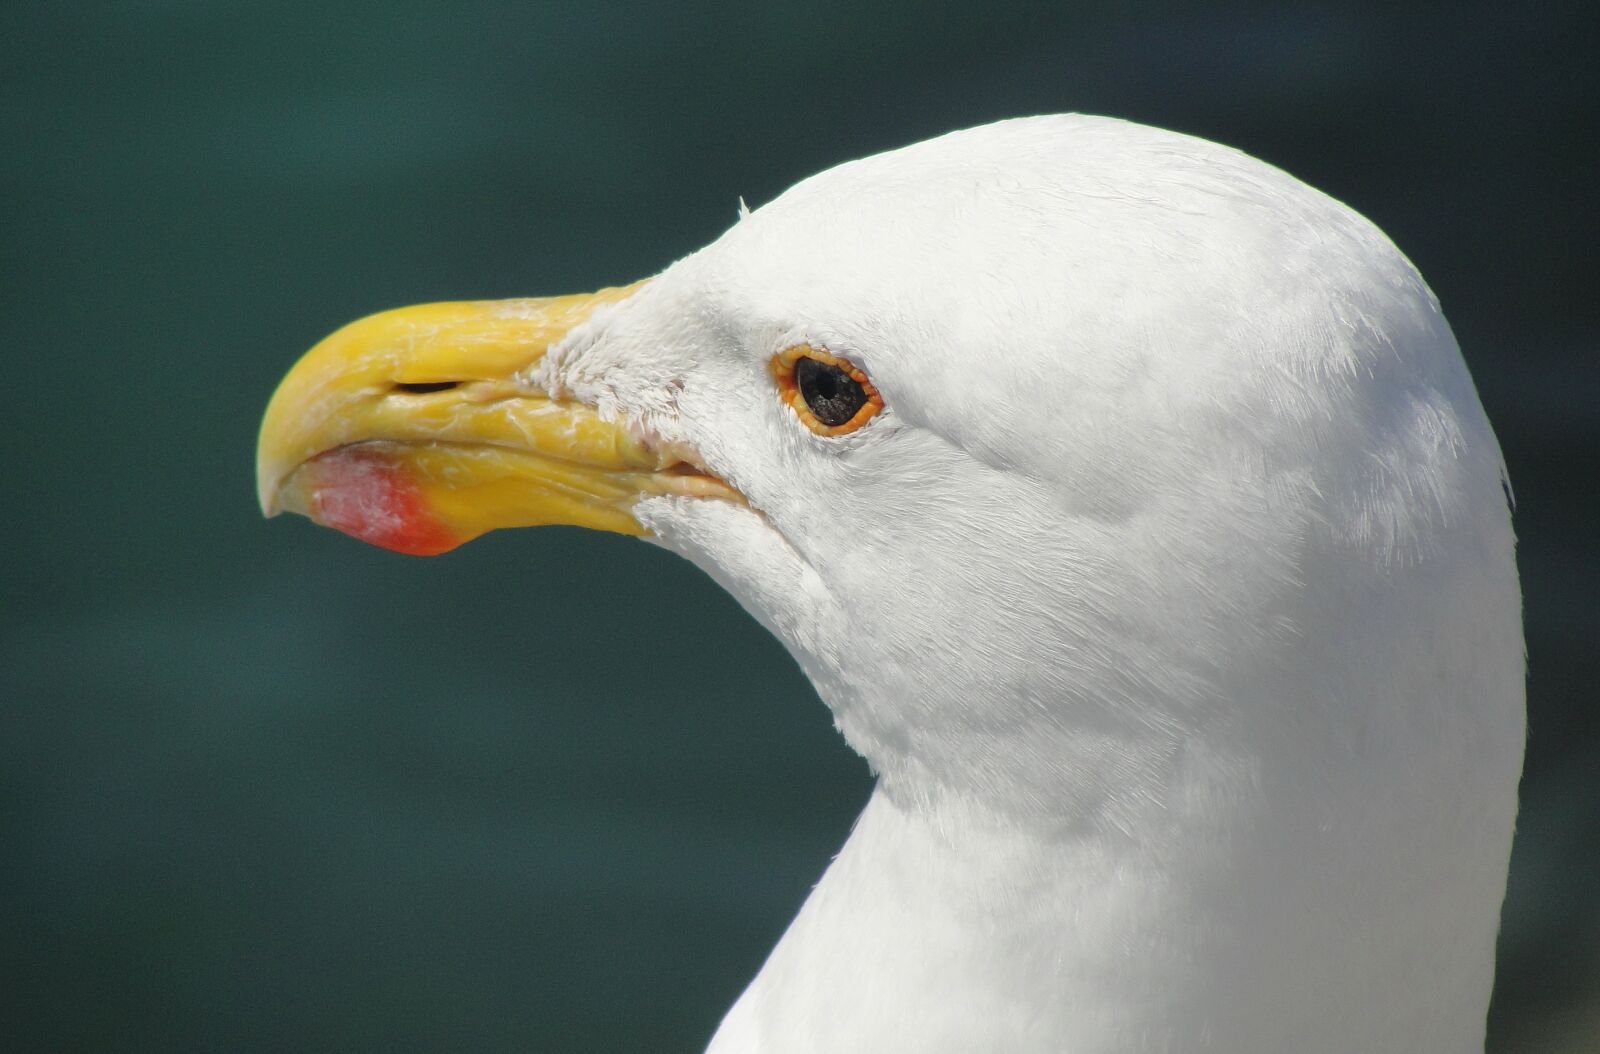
(1170, 591)
(1172, 597)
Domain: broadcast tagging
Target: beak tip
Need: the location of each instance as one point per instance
(269, 492)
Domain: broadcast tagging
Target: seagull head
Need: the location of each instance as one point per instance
(1041, 446)
(1129, 504)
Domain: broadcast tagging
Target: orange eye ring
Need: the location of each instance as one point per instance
(830, 395)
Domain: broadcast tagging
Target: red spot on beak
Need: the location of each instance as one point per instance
(372, 495)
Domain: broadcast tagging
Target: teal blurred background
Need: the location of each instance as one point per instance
(263, 788)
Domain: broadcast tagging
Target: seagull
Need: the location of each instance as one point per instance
(1130, 506)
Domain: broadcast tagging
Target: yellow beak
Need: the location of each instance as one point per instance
(415, 430)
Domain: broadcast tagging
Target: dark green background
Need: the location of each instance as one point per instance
(262, 788)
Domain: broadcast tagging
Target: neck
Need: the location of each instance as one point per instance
(1230, 914)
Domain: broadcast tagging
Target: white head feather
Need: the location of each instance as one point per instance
(1172, 596)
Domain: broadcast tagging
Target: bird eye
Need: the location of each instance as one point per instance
(829, 394)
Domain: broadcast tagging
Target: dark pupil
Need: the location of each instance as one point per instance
(832, 394)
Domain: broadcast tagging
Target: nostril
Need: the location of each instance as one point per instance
(426, 387)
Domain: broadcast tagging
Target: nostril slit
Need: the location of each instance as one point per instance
(426, 387)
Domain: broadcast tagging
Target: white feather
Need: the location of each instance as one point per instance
(1172, 597)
